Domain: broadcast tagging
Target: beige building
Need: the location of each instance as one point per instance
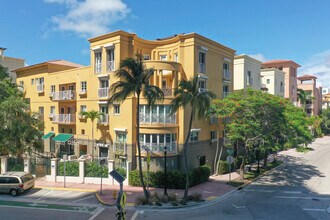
(10, 63)
(59, 90)
(290, 68)
(247, 72)
(308, 84)
(273, 79)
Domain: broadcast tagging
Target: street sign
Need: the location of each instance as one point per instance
(119, 178)
(230, 151)
(123, 200)
(230, 159)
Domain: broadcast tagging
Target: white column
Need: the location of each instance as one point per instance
(82, 170)
(111, 165)
(128, 170)
(27, 165)
(160, 79)
(4, 164)
(53, 171)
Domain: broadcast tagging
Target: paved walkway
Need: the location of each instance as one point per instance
(210, 190)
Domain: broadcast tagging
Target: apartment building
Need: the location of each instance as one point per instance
(308, 84)
(247, 72)
(10, 63)
(61, 90)
(289, 67)
(274, 80)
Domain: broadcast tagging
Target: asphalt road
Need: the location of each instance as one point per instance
(300, 189)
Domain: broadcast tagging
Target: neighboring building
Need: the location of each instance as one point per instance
(308, 84)
(326, 101)
(10, 63)
(273, 79)
(325, 90)
(247, 72)
(60, 90)
(290, 68)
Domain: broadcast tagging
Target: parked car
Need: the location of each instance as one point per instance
(16, 182)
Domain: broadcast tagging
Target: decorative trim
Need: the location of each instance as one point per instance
(120, 129)
(227, 59)
(203, 49)
(109, 46)
(196, 130)
(96, 49)
(102, 102)
(203, 76)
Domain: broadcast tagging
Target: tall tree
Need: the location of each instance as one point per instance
(134, 81)
(188, 96)
(92, 115)
(303, 97)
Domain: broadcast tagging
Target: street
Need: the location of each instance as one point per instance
(300, 189)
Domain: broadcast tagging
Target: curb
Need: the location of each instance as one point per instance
(65, 189)
(98, 197)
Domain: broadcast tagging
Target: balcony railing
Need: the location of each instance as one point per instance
(201, 90)
(202, 68)
(226, 94)
(226, 74)
(64, 118)
(40, 88)
(103, 92)
(103, 119)
(159, 148)
(120, 148)
(98, 68)
(167, 92)
(63, 95)
(110, 65)
(154, 119)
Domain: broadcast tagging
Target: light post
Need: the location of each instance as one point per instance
(102, 162)
(165, 171)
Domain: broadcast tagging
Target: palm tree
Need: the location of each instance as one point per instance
(303, 97)
(135, 81)
(92, 115)
(188, 95)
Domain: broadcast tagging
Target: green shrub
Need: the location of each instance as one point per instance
(238, 161)
(197, 197)
(94, 169)
(17, 167)
(72, 168)
(121, 171)
(223, 167)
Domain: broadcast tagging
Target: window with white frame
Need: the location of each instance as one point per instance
(202, 63)
(52, 88)
(116, 109)
(111, 59)
(32, 82)
(83, 108)
(213, 135)
(226, 71)
(202, 85)
(52, 110)
(83, 86)
(98, 62)
(268, 81)
(225, 90)
(40, 81)
(163, 57)
(193, 136)
(146, 57)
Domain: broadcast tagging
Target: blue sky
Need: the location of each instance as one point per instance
(41, 30)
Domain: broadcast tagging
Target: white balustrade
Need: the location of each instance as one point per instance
(64, 118)
(103, 92)
(63, 95)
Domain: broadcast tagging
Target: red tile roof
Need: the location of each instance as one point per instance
(56, 62)
(280, 61)
(307, 77)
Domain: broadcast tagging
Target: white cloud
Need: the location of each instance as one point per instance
(318, 65)
(258, 56)
(89, 17)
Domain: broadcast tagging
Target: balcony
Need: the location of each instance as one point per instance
(103, 93)
(66, 95)
(40, 88)
(110, 65)
(167, 92)
(201, 90)
(226, 74)
(159, 148)
(226, 94)
(202, 68)
(98, 68)
(120, 148)
(103, 119)
(154, 119)
(64, 118)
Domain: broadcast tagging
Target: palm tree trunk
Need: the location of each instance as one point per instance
(185, 196)
(215, 165)
(93, 140)
(146, 193)
(219, 158)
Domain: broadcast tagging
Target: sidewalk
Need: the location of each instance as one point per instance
(210, 190)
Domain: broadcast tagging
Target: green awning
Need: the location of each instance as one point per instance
(62, 137)
(46, 136)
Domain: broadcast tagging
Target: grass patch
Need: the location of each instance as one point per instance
(235, 183)
(303, 149)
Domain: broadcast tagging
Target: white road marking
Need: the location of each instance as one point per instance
(99, 210)
(60, 194)
(239, 207)
(261, 190)
(78, 200)
(314, 210)
(69, 195)
(299, 197)
(292, 192)
(44, 195)
(135, 215)
(48, 209)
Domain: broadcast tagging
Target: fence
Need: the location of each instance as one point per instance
(15, 164)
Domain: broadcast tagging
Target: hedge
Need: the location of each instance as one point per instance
(72, 168)
(94, 169)
(175, 179)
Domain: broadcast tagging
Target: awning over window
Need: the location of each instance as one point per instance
(62, 137)
(46, 136)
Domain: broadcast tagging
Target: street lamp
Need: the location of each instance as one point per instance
(165, 170)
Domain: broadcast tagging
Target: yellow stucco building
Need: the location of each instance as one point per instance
(60, 90)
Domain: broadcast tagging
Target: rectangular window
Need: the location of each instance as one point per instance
(193, 136)
(21, 85)
(201, 60)
(83, 86)
(52, 110)
(225, 90)
(104, 109)
(52, 88)
(98, 62)
(52, 128)
(146, 57)
(62, 130)
(82, 131)
(83, 108)
(249, 78)
(213, 135)
(163, 57)
(176, 57)
(226, 72)
(116, 109)
(268, 81)
(110, 60)
(202, 86)
(39, 81)
(32, 82)
(70, 132)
